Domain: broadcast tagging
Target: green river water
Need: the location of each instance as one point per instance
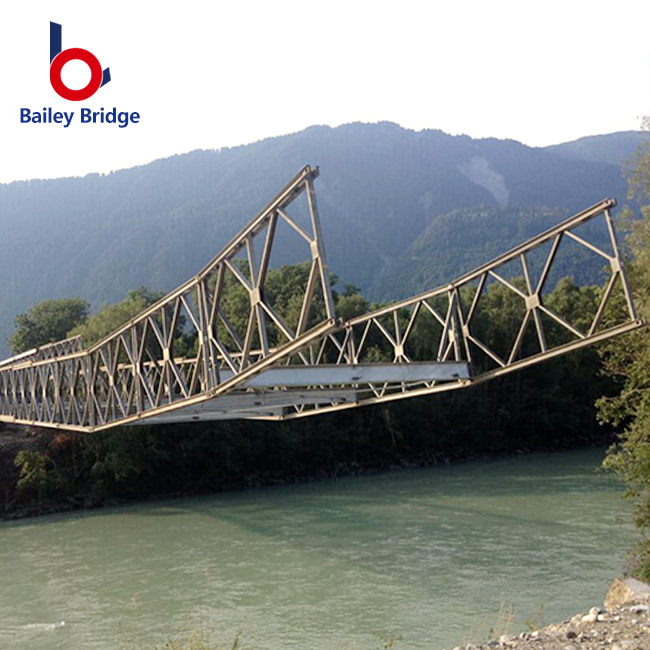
(432, 555)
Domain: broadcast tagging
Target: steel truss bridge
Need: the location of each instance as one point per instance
(227, 345)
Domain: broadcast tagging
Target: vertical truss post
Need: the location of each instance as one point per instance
(617, 266)
(319, 252)
(457, 320)
(206, 350)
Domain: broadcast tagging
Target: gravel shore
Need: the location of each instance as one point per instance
(626, 627)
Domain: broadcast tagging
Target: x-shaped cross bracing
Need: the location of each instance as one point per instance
(227, 344)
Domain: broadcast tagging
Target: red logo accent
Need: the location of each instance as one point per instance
(72, 54)
(59, 57)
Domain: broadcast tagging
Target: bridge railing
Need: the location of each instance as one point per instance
(49, 351)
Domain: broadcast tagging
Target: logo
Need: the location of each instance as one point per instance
(98, 77)
(59, 58)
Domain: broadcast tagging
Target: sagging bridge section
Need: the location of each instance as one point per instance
(247, 353)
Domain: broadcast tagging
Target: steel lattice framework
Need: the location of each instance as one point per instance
(193, 356)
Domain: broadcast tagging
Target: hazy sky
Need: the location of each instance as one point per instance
(214, 74)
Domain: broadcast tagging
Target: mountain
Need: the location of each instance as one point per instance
(383, 193)
(463, 239)
(613, 148)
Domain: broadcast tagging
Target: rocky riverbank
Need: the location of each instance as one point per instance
(623, 624)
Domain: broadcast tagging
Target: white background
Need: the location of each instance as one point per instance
(214, 74)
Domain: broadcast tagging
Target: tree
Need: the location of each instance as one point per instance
(629, 360)
(47, 322)
(110, 317)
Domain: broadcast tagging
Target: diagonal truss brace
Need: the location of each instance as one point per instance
(455, 335)
(268, 367)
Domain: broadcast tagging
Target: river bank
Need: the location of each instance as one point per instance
(623, 624)
(43, 496)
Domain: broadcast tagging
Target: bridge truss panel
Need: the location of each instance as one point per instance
(455, 319)
(193, 344)
(226, 345)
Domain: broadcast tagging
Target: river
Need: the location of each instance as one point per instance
(439, 556)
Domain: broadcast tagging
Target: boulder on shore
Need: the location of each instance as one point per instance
(625, 591)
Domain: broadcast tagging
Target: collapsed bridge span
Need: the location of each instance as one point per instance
(228, 345)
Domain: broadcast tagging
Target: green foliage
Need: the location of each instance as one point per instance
(121, 462)
(639, 560)
(110, 317)
(54, 320)
(284, 289)
(350, 305)
(33, 471)
(38, 475)
(47, 322)
(629, 360)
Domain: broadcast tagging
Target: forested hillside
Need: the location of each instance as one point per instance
(385, 195)
(614, 148)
